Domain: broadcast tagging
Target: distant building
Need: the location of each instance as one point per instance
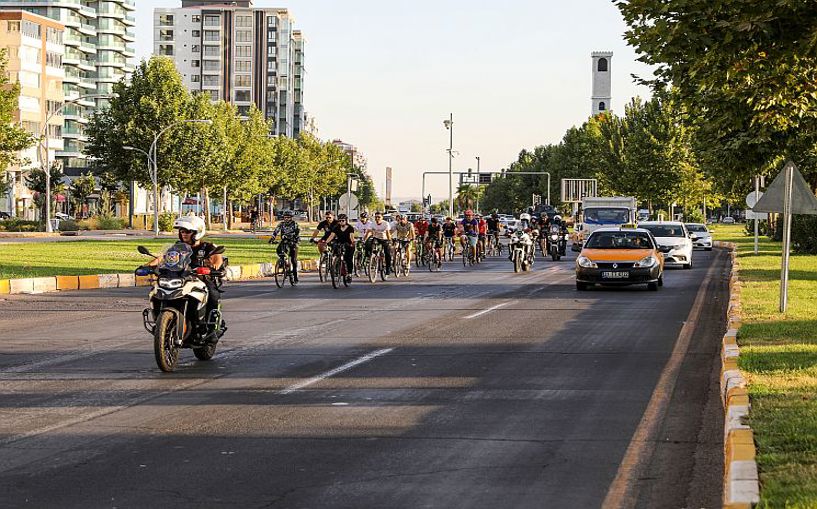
(35, 52)
(98, 42)
(601, 97)
(237, 53)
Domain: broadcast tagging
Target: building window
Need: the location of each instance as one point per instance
(13, 26)
(215, 95)
(242, 80)
(32, 30)
(243, 21)
(211, 35)
(210, 81)
(195, 78)
(166, 50)
(243, 96)
(195, 63)
(196, 33)
(243, 66)
(271, 21)
(165, 35)
(602, 106)
(195, 48)
(211, 51)
(196, 18)
(243, 51)
(602, 65)
(53, 35)
(243, 111)
(212, 21)
(166, 19)
(53, 59)
(243, 35)
(212, 65)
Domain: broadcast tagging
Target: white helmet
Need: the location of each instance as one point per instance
(192, 223)
(557, 218)
(524, 216)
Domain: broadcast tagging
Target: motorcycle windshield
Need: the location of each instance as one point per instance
(177, 258)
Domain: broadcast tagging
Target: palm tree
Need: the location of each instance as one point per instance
(468, 196)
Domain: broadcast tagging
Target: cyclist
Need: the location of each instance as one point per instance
(404, 235)
(363, 223)
(289, 230)
(449, 230)
(324, 226)
(422, 226)
(483, 233)
(380, 232)
(344, 234)
(434, 237)
(254, 219)
(493, 228)
(470, 230)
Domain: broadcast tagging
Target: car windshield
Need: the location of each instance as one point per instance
(606, 215)
(177, 257)
(619, 240)
(697, 228)
(664, 230)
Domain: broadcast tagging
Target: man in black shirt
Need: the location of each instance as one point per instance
(324, 227)
(343, 233)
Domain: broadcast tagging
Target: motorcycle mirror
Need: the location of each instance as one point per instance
(144, 251)
(218, 250)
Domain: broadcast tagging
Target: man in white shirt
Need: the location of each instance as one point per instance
(379, 231)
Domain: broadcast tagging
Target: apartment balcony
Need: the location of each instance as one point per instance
(88, 30)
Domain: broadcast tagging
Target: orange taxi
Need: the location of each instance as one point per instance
(620, 256)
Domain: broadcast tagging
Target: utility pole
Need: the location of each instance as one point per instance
(449, 124)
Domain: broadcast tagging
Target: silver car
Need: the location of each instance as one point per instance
(702, 237)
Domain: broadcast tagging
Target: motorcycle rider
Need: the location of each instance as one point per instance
(557, 220)
(191, 230)
(290, 230)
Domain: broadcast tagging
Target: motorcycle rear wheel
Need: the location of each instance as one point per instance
(206, 352)
(164, 341)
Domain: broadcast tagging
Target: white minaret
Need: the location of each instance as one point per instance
(602, 88)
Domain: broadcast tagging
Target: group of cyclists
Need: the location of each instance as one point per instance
(430, 240)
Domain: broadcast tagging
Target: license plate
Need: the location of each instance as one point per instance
(615, 275)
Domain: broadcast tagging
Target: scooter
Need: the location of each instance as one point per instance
(177, 316)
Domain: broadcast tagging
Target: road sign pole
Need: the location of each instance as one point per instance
(787, 212)
(757, 191)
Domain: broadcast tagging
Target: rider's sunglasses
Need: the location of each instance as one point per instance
(185, 231)
(342, 220)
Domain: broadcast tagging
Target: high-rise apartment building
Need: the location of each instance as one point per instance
(35, 51)
(237, 53)
(98, 52)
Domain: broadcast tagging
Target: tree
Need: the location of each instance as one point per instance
(36, 181)
(81, 188)
(747, 72)
(12, 138)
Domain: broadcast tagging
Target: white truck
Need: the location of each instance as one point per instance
(607, 211)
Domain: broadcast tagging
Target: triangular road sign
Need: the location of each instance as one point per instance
(803, 200)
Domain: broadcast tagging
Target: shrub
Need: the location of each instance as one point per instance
(762, 227)
(694, 216)
(69, 225)
(804, 234)
(110, 223)
(19, 225)
(89, 224)
(166, 220)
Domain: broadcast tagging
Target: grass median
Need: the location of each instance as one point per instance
(779, 358)
(39, 259)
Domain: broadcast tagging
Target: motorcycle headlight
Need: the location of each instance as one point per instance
(646, 262)
(586, 262)
(554, 237)
(171, 284)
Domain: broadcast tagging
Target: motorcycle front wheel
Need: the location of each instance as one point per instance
(164, 341)
(517, 263)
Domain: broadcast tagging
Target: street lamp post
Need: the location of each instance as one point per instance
(47, 158)
(449, 124)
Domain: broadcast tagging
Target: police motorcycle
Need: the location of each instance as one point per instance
(521, 250)
(556, 240)
(177, 316)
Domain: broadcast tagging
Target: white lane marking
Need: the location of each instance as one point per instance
(332, 372)
(492, 308)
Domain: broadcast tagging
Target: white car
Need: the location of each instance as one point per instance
(701, 237)
(674, 235)
(511, 225)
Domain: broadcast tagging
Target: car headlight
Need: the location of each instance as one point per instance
(586, 263)
(646, 262)
(171, 284)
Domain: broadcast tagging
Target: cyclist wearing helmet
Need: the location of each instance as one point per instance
(288, 229)
(363, 224)
(324, 226)
(344, 233)
(470, 229)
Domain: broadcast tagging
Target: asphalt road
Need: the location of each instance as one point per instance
(468, 388)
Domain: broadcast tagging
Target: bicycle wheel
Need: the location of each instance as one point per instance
(451, 250)
(405, 265)
(344, 273)
(334, 271)
(280, 273)
(373, 267)
(321, 266)
(397, 262)
(381, 267)
(327, 266)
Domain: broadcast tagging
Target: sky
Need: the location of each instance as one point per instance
(383, 76)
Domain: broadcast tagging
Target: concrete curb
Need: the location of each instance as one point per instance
(92, 282)
(741, 485)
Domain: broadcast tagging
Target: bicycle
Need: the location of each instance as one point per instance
(283, 267)
(450, 249)
(360, 258)
(468, 257)
(323, 264)
(435, 261)
(337, 265)
(377, 263)
(400, 261)
(419, 258)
